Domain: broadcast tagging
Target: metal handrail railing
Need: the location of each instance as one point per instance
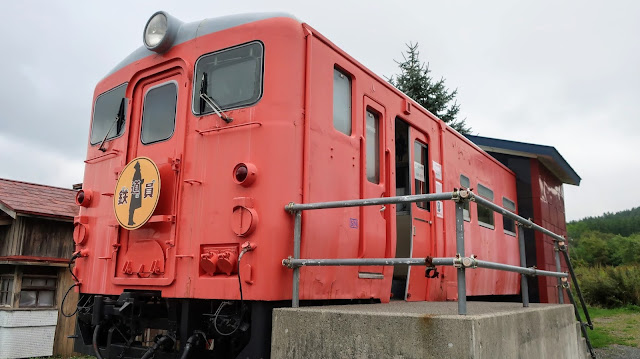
(460, 261)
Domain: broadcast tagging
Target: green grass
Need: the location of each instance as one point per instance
(615, 326)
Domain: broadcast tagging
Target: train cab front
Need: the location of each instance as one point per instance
(182, 202)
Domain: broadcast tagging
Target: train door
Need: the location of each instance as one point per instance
(421, 213)
(145, 254)
(373, 234)
(403, 210)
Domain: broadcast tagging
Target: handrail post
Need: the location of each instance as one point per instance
(297, 234)
(558, 269)
(462, 283)
(524, 285)
(567, 260)
(565, 284)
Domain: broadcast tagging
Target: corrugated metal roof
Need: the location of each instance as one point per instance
(37, 199)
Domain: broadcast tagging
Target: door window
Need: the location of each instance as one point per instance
(159, 113)
(373, 147)
(421, 171)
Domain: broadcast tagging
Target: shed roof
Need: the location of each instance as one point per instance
(547, 155)
(35, 199)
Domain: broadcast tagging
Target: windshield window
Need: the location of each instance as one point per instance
(233, 77)
(104, 114)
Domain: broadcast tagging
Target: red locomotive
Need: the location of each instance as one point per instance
(198, 141)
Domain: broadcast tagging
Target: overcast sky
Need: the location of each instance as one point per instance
(559, 73)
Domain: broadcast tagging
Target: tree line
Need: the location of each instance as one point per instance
(606, 253)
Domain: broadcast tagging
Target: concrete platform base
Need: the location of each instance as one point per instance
(427, 330)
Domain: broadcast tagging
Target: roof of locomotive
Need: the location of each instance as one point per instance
(192, 30)
(547, 155)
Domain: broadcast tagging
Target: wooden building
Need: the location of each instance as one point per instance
(36, 243)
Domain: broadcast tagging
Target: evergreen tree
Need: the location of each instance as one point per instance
(415, 82)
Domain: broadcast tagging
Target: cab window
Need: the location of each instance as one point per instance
(231, 77)
(106, 109)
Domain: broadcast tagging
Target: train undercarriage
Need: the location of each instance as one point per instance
(140, 324)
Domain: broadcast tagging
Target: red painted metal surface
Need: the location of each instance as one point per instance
(205, 213)
(548, 212)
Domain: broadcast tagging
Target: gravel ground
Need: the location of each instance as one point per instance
(616, 351)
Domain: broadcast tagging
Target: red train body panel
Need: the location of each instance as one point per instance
(201, 193)
(295, 153)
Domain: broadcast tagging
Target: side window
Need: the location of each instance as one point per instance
(421, 171)
(108, 106)
(372, 138)
(509, 224)
(465, 183)
(38, 291)
(6, 290)
(159, 113)
(341, 102)
(485, 215)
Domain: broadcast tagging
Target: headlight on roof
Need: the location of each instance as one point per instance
(160, 32)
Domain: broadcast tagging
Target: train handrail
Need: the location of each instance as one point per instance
(460, 196)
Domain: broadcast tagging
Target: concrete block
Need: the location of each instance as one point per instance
(27, 333)
(425, 330)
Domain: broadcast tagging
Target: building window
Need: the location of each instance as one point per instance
(6, 290)
(159, 113)
(38, 291)
(341, 102)
(509, 224)
(372, 138)
(465, 183)
(485, 215)
(421, 171)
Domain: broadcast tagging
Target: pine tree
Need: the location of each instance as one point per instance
(414, 80)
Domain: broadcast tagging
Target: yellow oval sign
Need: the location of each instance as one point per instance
(137, 192)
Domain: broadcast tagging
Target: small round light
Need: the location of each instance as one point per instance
(83, 197)
(245, 174)
(155, 30)
(241, 172)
